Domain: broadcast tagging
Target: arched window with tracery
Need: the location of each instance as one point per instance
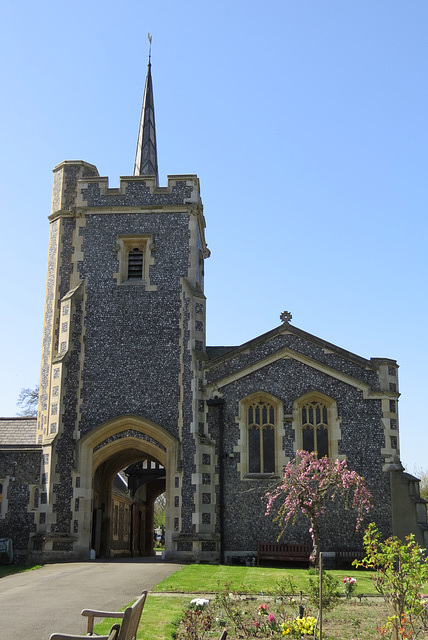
(261, 437)
(314, 421)
(316, 425)
(260, 448)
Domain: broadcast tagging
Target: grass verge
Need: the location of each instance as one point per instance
(11, 569)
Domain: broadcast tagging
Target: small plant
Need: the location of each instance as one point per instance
(194, 624)
(284, 591)
(330, 591)
(299, 627)
(198, 603)
(230, 602)
(349, 585)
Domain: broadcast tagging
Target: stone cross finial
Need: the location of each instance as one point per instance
(285, 317)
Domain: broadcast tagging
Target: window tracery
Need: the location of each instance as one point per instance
(316, 425)
(260, 446)
(261, 437)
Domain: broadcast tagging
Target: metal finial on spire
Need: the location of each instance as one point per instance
(146, 160)
(150, 46)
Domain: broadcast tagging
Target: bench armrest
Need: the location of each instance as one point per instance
(92, 614)
(102, 614)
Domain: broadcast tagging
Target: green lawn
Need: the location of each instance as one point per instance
(196, 578)
(160, 615)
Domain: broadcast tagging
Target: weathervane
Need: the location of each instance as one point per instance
(150, 46)
(285, 317)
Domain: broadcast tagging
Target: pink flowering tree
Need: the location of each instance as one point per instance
(308, 483)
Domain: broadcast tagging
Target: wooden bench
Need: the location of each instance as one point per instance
(285, 552)
(345, 557)
(126, 630)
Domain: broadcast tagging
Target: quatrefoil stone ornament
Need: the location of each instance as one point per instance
(285, 317)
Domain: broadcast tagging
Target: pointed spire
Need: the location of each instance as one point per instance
(146, 160)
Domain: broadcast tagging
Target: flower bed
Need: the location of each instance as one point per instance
(281, 616)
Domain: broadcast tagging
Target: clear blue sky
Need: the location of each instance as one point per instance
(306, 121)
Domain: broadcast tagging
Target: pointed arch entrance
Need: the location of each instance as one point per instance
(145, 454)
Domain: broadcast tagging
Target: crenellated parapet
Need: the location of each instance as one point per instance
(77, 184)
(137, 191)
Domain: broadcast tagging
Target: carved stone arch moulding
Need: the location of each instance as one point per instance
(109, 438)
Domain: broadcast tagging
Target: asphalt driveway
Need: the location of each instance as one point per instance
(36, 603)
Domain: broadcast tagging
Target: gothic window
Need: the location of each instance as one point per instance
(316, 425)
(314, 421)
(259, 452)
(261, 437)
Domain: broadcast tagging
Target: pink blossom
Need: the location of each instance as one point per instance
(308, 482)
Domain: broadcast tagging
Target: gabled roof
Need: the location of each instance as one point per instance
(217, 354)
(18, 432)
(226, 365)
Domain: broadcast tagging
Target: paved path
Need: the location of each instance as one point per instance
(36, 603)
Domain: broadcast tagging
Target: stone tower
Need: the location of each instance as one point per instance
(123, 347)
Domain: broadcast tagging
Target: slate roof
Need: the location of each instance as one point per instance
(18, 431)
(217, 352)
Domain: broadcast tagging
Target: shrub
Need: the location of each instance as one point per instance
(400, 572)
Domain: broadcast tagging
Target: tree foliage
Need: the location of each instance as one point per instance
(28, 401)
(423, 486)
(308, 483)
(401, 569)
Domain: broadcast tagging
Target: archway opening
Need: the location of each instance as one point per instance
(124, 497)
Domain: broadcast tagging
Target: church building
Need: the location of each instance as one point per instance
(128, 386)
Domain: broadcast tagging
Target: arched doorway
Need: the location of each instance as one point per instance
(140, 455)
(123, 505)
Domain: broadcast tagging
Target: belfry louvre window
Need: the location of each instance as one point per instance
(261, 437)
(134, 254)
(135, 264)
(314, 421)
